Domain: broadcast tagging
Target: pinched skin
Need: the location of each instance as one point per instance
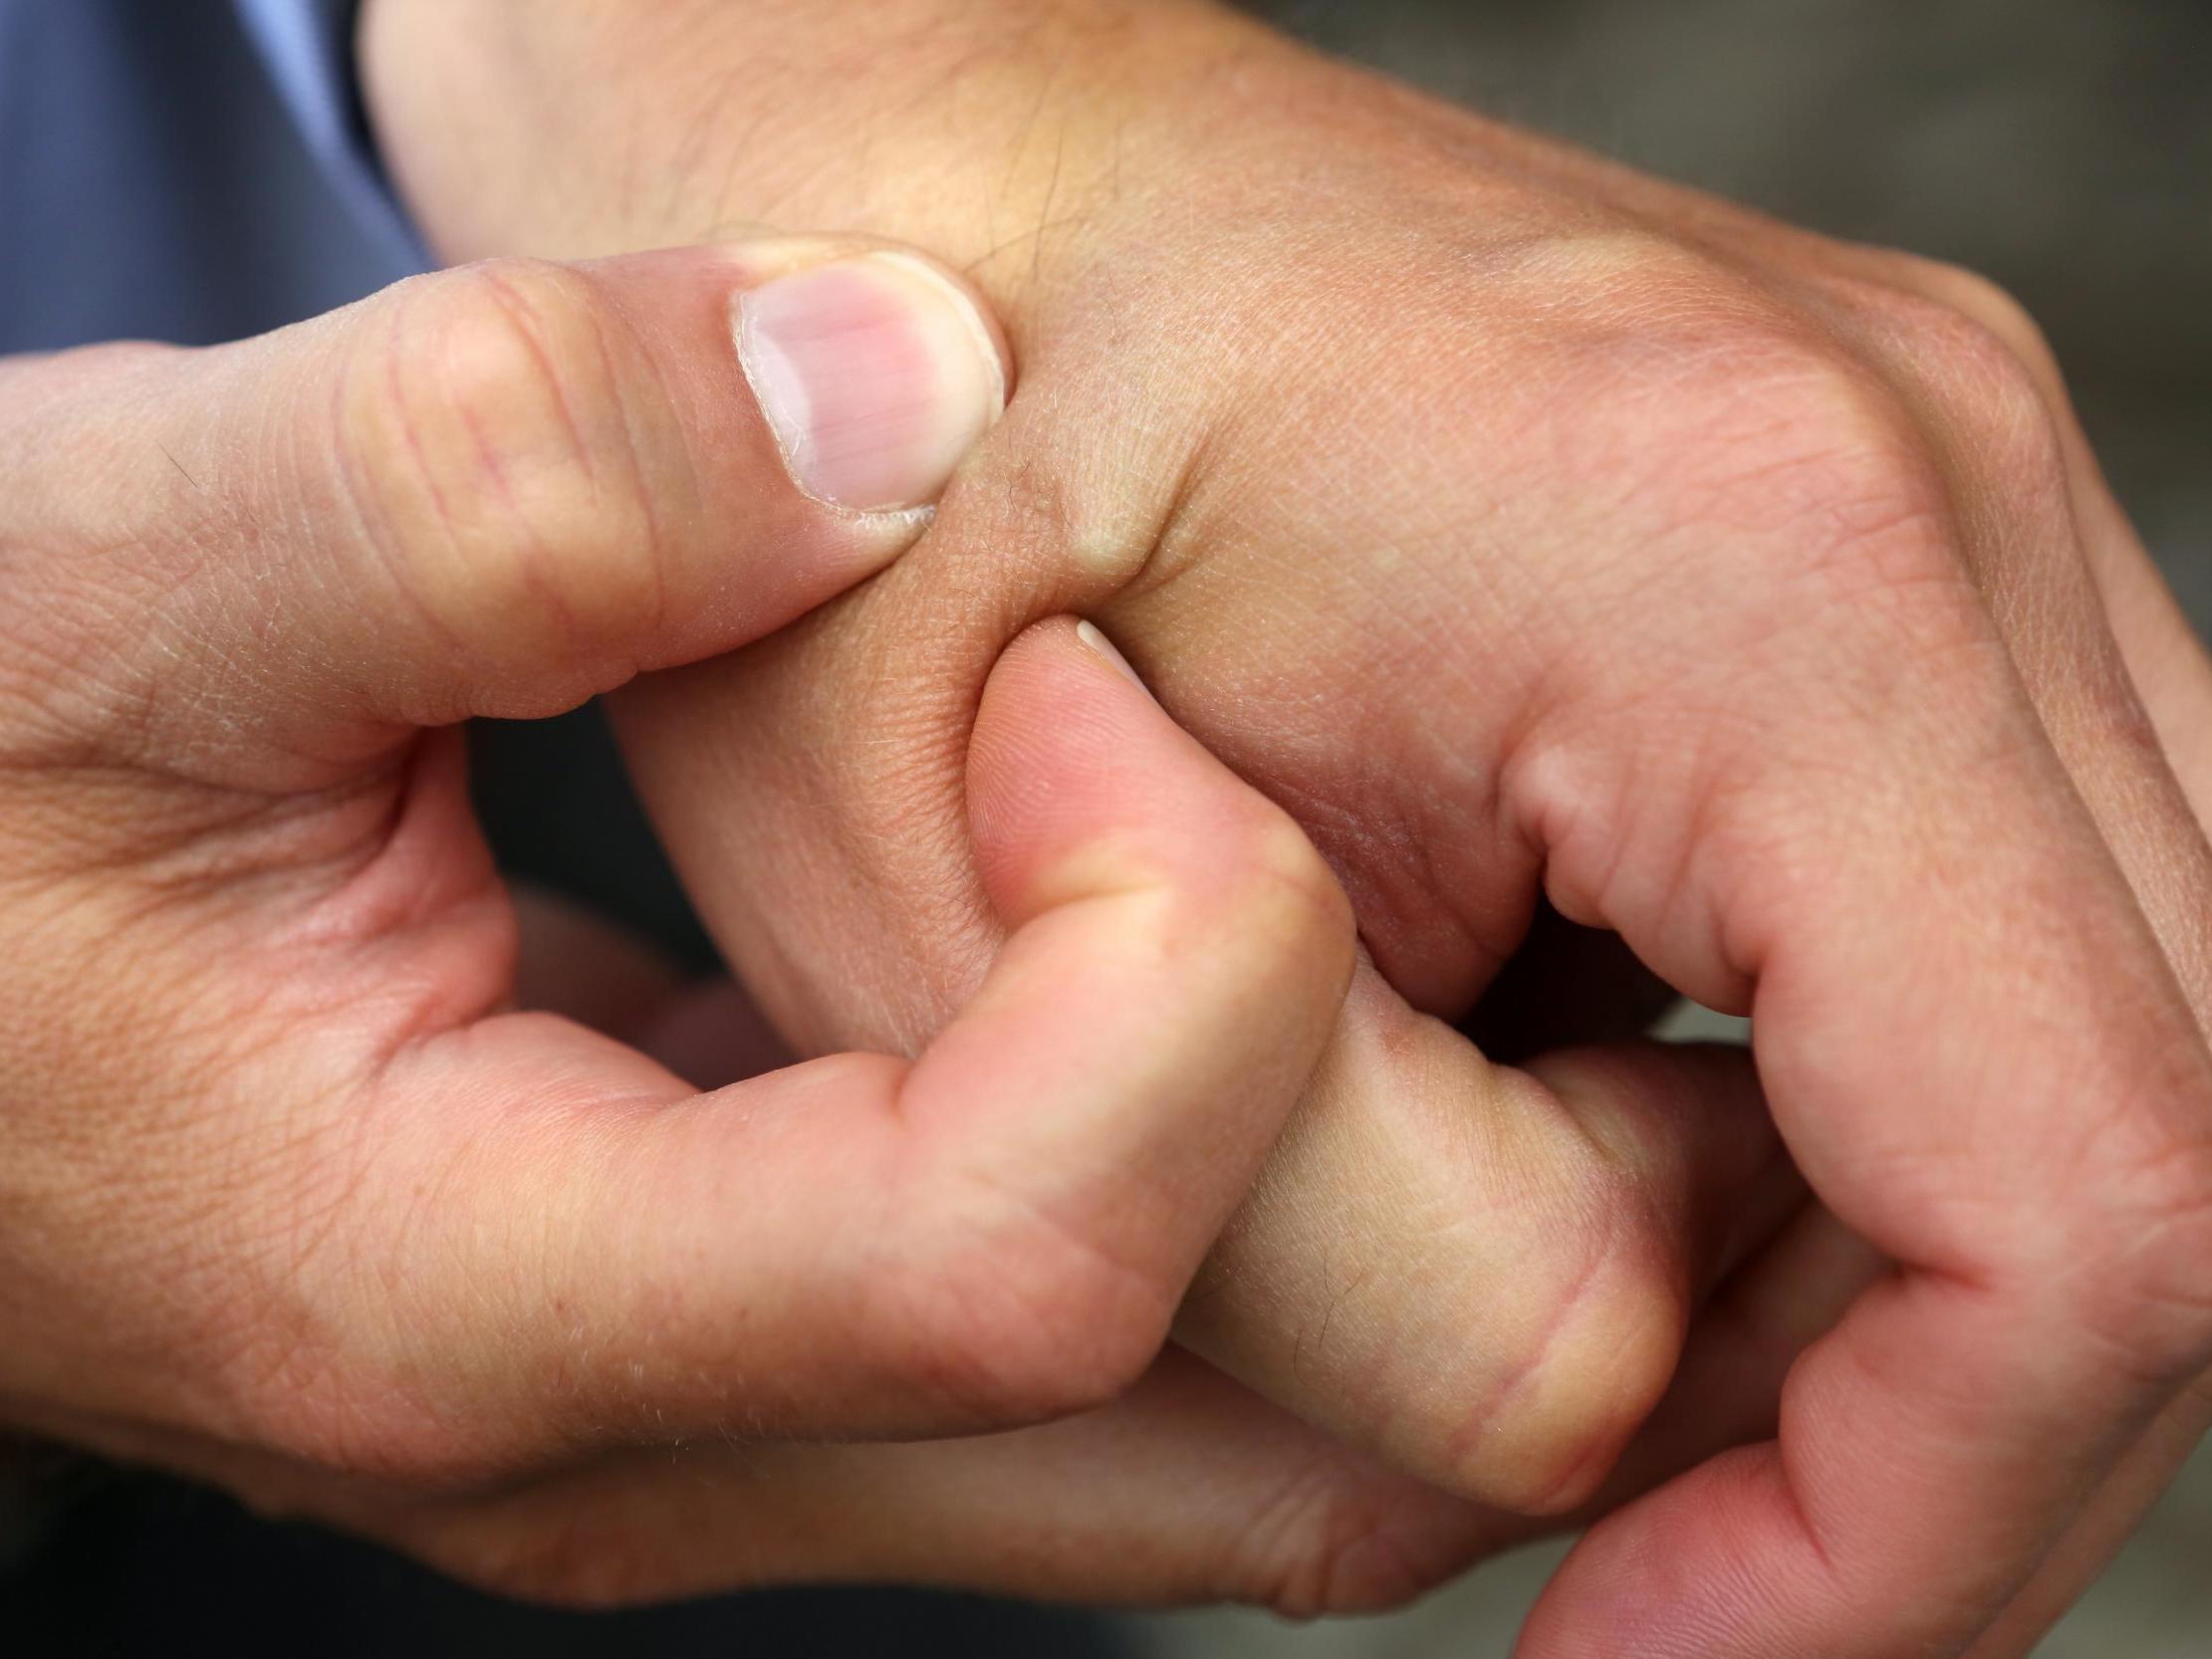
(1524, 528)
(309, 1190)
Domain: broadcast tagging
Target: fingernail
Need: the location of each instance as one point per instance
(877, 374)
(1098, 643)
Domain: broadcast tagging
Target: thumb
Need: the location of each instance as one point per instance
(555, 1244)
(503, 488)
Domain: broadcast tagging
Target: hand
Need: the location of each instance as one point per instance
(292, 1197)
(1524, 526)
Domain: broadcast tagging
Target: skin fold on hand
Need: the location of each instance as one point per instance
(1540, 1265)
(1527, 528)
(308, 1188)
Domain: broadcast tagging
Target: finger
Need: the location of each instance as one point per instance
(2125, 709)
(585, 967)
(2046, 1201)
(1188, 1490)
(1480, 1273)
(572, 962)
(501, 487)
(2125, 690)
(995, 1233)
(2165, 659)
(1488, 1197)
(2107, 1523)
(2167, 662)
(2165, 656)
(2084, 614)
(1787, 1296)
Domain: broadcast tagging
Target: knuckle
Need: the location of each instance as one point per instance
(1599, 1357)
(1726, 436)
(1105, 530)
(2145, 1278)
(1995, 380)
(1999, 330)
(1291, 908)
(1709, 411)
(357, 1434)
(1028, 1321)
(1644, 300)
(1589, 1394)
(1634, 278)
(1821, 450)
(1321, 1547)
(490, 450)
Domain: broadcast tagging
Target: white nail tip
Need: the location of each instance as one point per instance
(1088, 633)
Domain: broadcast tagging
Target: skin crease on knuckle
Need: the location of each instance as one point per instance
(1315, 1553)
(486, 442)
(2144, 1279)
(1017, 1320)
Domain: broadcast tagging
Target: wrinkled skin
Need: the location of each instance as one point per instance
(1527, 528)
(325, 1173)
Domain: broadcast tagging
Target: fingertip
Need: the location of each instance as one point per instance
(1072, 762)
(1088, 635)
(1079, 785)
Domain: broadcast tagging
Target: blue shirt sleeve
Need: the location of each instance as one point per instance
(308, 48)
(187, 170)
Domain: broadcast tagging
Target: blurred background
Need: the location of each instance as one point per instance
(2063, 148)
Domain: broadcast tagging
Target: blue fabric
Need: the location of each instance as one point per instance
(190, 170)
